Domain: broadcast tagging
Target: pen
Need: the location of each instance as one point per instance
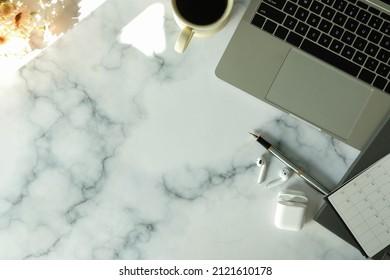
(298, 170)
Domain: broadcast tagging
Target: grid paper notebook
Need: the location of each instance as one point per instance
(364, 205)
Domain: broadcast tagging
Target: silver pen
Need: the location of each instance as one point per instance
(298, 170)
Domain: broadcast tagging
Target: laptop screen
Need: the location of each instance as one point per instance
(386, 1)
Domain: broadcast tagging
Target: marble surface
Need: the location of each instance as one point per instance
(113, 146)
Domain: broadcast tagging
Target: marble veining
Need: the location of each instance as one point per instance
(111, 149)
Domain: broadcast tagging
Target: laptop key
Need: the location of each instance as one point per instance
(330, 57)
(367, 76)
(324, 40)
(302, 28)
(316, 7)
(385, 42)
(351, 25)
(336, 31)
(371, 64)
(371, 49)
(385, 16)
(380, 82)
(302, 14)
(360, 43)
(328, 13)
(363, 30)
(340, 19)
(386, 27)
(328, 2)
(325, 25)
(387, 89)
(375, 22)
(336, 46)
(290, 22)
(348, 37)
(258, 20)
(313, 34)
(383, 55)
(340, 5)
(383, 70)
(362, 5)
(304, 3)
(363, 16)
(294, 39)
(348, 52)
(271, 13)
(375, 36)
(352, 10)
(269, 26)
(313, 20)
(374, 10)
(276, 3)
(359, 58)
(290, 8)
(281, 32)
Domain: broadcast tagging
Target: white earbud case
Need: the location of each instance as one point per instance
(290, 210)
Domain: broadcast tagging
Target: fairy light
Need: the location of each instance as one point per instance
(27, 25)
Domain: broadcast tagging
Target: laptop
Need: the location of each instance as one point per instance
(325, 62)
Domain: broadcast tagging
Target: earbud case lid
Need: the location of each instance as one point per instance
(293, 196)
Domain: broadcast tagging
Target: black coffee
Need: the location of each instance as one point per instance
(201, 12)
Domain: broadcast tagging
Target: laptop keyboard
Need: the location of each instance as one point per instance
(350, 35)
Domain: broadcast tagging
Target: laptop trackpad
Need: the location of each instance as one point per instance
(319, 94)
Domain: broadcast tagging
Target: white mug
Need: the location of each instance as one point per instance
(199, 18)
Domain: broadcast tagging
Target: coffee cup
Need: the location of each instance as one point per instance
(199, 18)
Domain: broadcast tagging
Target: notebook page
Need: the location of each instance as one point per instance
(364, 206)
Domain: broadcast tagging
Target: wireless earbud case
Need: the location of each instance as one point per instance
(290, 210)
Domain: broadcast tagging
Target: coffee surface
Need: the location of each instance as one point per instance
(201, 12)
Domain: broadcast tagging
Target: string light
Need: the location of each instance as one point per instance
(27, 25)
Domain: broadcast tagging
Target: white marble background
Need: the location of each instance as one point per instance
(112, 149)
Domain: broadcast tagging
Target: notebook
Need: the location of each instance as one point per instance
(377, 148)
(325, 62)
(364, 206)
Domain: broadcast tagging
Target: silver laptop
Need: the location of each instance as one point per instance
(325, 62)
